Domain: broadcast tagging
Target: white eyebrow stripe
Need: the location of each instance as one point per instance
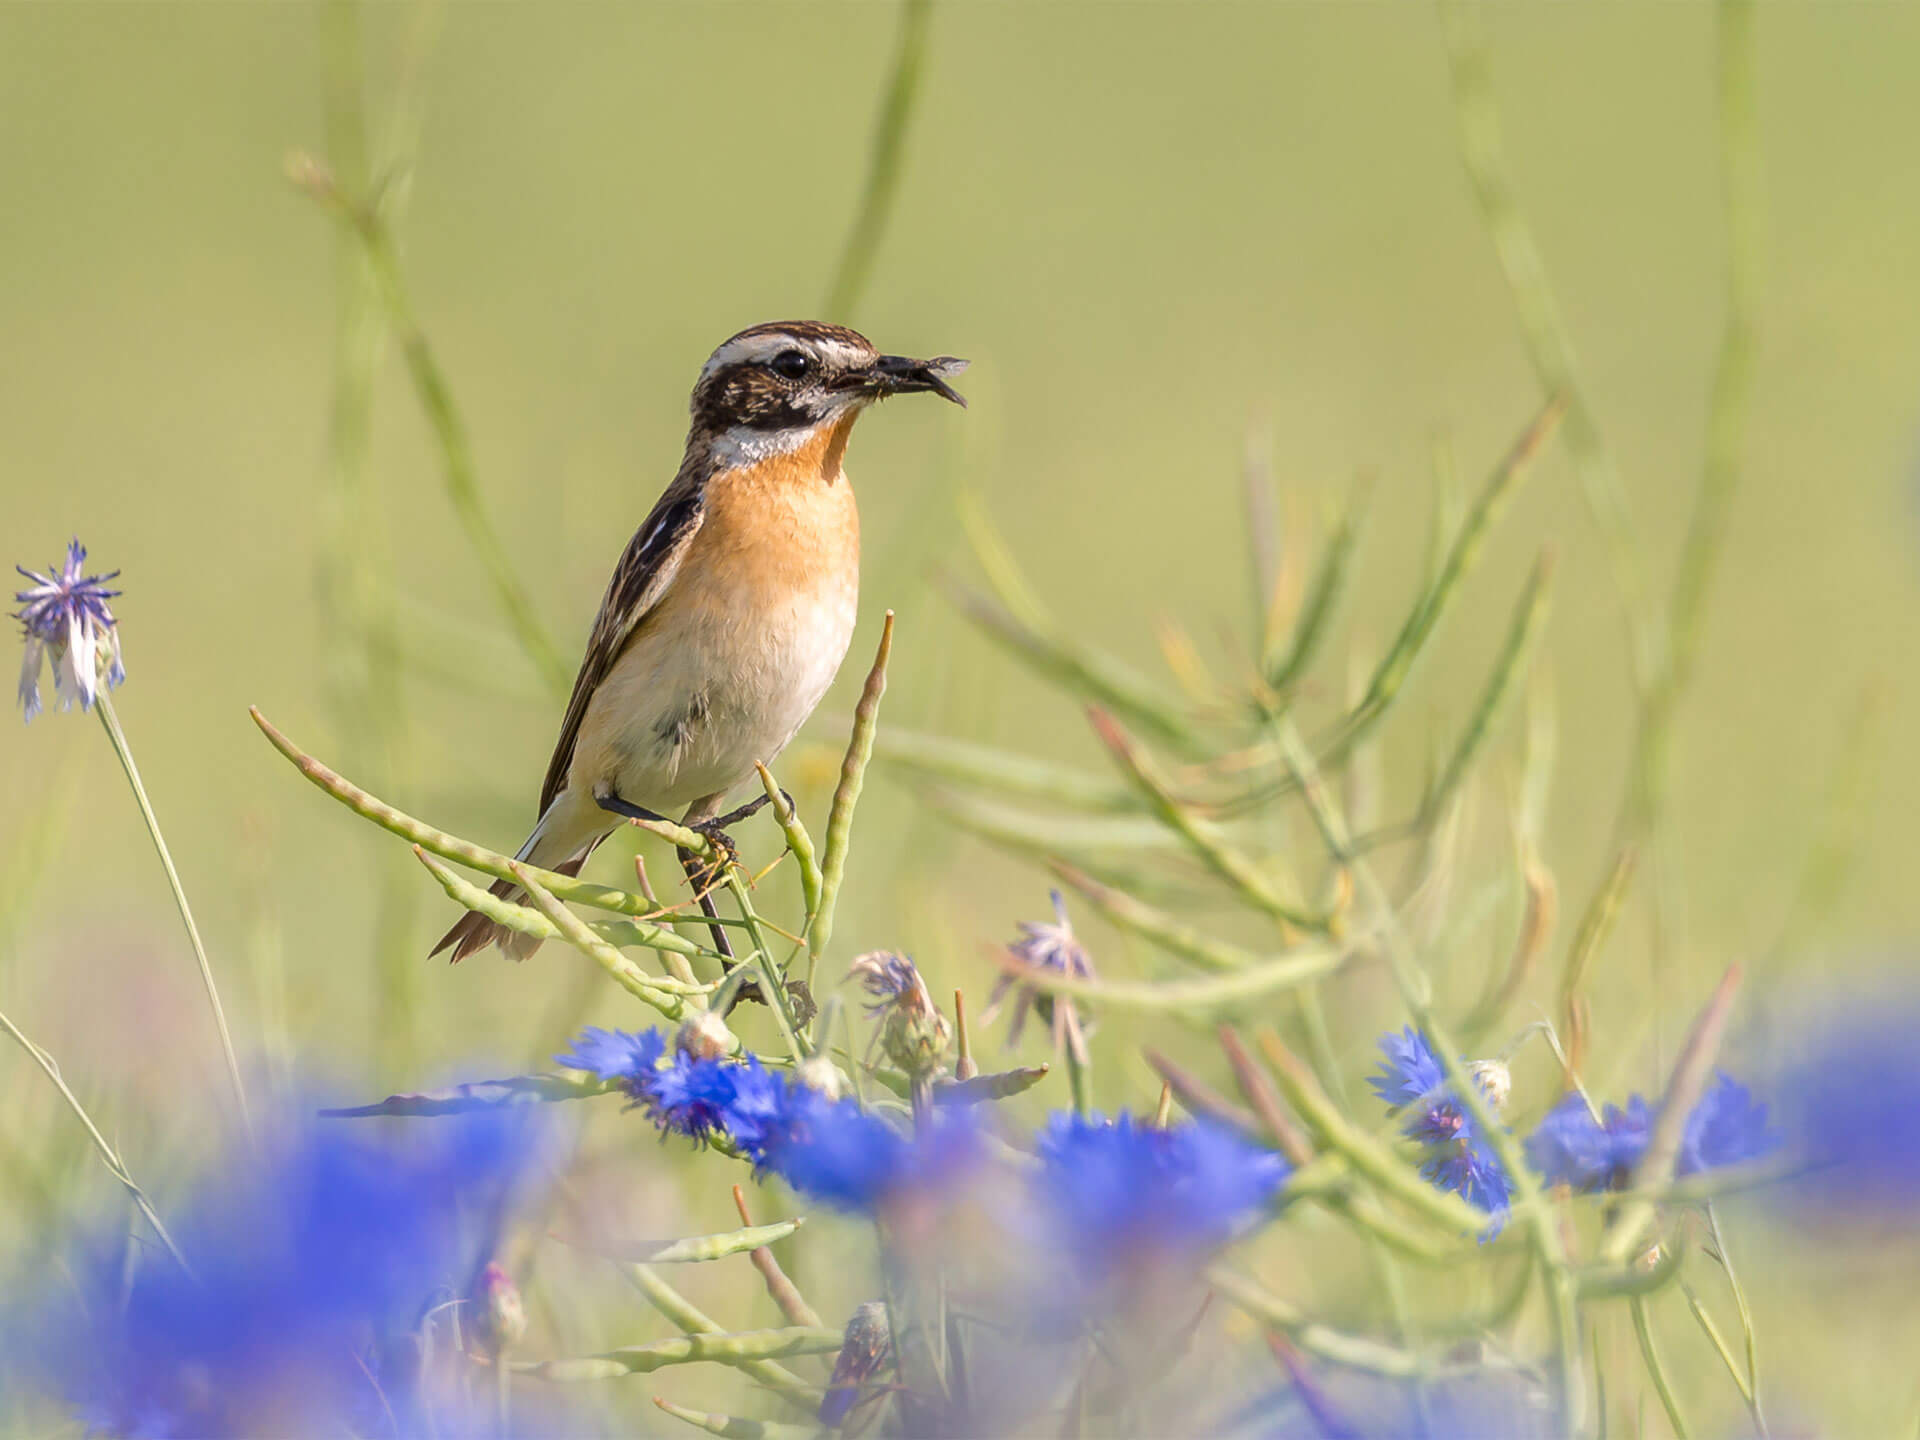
(758, 349)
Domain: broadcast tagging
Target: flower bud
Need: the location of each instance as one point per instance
(817, 1072)
(1496, 1082)
(913, 1033)
(502, 1318)
(705, 1036)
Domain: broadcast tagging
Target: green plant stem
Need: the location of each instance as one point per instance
(363, 671)
(1726, 419)
(884, 167)
(110, 722)
(1745, 1311)
(1542, 328)
(1719, 1343)
(115, 1166)
(1656, 1369)
(846, 795)
(1077, 1082)
(694, 1321)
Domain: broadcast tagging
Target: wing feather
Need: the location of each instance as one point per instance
(646, 569)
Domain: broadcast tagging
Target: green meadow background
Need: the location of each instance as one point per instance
(1161, 232)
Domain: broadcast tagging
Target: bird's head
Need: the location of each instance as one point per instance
(770, 388)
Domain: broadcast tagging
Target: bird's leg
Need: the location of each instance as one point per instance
(700, 875)
(733, 817)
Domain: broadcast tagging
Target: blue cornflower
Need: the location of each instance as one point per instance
(826, 1148)
(1457, 1156)
(1411, 1071)
(64, 617)
(624, 1055)
(698, 1096)
(322, 1269)
(1472, 1171)
(1569, 1147)
(1111, 1193)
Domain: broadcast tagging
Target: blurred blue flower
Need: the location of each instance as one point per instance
(1457, 1156)
(1411, 1072)
(1569, 1147)
(1849, 1098)
(1727, 1127)
(64, 617)
(324, 1266)
(1114, 1192)
(843, 1156)
(627, 1056)
(1469, 1168)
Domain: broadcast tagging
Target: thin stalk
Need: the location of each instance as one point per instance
(1077, 1081)
(846, 795)
(629, 976)
(883, 169)
(478, 857)
(694, 1321)
(1349, 1351)
(1542, 328)
(1656, 1369)
(1206, 841)
(799, 842)
(1746, 1320)
(780, 1289)
(115, 1166)
(110, 722)
(1719, 1343)
(1726, 416)
(1285, 671)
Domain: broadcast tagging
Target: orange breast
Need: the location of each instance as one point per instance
(782, 528)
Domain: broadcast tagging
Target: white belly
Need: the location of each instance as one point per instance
(693, 705)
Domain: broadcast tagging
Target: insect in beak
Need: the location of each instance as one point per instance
(901, 375)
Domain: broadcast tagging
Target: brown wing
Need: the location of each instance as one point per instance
(646, 569)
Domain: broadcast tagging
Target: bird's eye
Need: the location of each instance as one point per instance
(791, 364)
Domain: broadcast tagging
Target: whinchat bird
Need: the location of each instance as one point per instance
(731, 608)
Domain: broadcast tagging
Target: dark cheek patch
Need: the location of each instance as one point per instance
(759, 402)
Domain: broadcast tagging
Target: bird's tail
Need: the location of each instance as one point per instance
(475, 932)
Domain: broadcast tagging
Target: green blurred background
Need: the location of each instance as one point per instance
(1157, 230)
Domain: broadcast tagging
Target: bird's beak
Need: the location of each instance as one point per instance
(900, 375)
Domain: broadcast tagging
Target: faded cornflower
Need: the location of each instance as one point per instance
(65, 619)
(1050, 948)
(912, 1032)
